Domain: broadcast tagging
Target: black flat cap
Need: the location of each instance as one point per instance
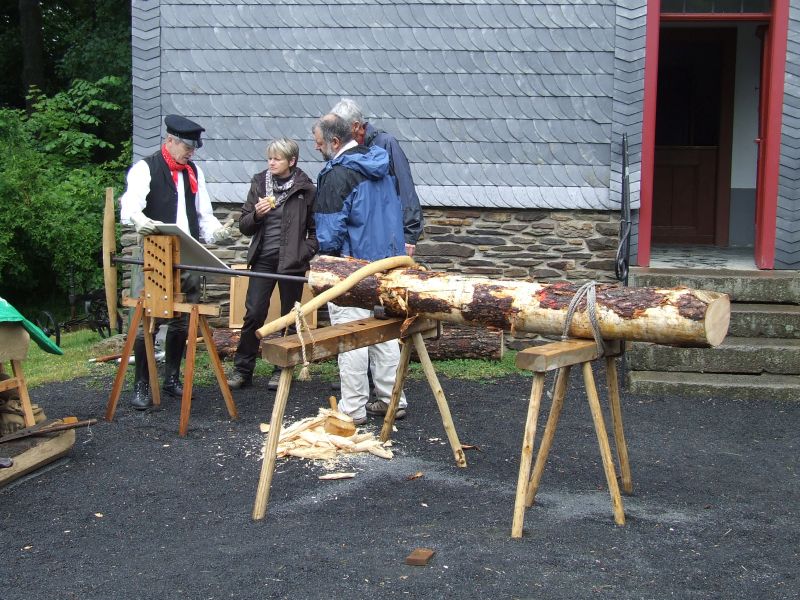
(187, 130)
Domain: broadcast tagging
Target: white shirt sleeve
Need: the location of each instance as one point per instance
(205, 212)
(134, 200)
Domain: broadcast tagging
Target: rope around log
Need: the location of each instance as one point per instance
(587, 290)
(301, 325)
(386, 264)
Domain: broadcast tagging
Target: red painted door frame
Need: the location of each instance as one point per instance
(772, 111)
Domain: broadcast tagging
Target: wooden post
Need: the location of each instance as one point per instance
(527, 452)
(119, 380)
(22, 388)
(602, 439)
(271, 447)
(562, 382)
(441, 401)
(397, 389)
(208, 336)
(188, 378)
(616, 417)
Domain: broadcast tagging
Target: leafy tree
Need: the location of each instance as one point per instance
(52, 193)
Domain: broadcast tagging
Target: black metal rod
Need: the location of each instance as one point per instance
(219, 270)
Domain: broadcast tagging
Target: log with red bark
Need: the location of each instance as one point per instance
(457, 341)
(673, 316)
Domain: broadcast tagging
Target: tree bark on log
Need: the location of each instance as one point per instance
(465, 342)
(672, 316)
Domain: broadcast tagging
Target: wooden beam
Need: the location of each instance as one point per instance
(555, 355)
(328, 342)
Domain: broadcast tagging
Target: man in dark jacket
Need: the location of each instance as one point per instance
(167, 187)
(358, 214)
(365, 133)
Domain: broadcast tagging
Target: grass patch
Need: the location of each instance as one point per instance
(42, 367)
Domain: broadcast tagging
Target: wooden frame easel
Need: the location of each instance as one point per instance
(562, 356)
(287, 352)
(161, 298)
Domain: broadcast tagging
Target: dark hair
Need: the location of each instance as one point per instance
(333, 126)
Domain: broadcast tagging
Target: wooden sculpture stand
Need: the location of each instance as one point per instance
(287, 352)
(561, 356)
(161, 298)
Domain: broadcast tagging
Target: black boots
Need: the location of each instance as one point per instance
(174, 344)
(141, 386)
(141, 396)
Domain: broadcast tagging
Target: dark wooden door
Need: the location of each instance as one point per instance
(691, 181)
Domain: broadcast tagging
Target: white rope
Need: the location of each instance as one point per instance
(587, 290)
(301, 325)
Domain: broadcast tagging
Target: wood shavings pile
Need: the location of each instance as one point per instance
(308, 438)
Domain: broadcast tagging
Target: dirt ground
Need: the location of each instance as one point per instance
(135, 511)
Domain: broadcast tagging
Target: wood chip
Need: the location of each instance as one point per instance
(420, 557)
(334, 476)
(416, 475)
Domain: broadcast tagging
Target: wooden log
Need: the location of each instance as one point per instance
(674, 316)
(457, 341)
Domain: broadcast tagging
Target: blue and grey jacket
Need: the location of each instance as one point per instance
(357, 209)
(413, 221)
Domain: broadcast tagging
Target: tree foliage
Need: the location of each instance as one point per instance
(52, 188)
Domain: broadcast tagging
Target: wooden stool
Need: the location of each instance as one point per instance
(14, 341)
(287, 352)
(561, 356)
(161, 298)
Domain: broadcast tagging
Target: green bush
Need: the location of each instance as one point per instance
(52, 193)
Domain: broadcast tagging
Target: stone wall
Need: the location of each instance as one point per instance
(545, 245)
(540, 244)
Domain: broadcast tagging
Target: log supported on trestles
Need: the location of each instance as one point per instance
(673, 316)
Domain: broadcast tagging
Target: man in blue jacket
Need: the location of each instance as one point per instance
(358, 214)
(365, 133)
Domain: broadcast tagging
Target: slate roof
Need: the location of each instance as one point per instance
(497, 103)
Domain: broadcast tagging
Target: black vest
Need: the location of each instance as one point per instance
(162, 201)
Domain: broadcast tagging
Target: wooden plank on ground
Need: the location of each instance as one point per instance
(37, 454)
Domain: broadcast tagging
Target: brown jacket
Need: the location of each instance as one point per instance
(298, 243)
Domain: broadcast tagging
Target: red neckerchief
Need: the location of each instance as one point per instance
(174, 167)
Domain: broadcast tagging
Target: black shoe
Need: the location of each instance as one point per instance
(172, 387)
(239, 380)
(141, 396)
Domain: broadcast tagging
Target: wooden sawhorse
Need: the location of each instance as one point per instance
(14, 341)
(287, 352)
(161, 298)
(561, 356)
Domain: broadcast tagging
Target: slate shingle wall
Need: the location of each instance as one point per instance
(787, 234)
(498, 103)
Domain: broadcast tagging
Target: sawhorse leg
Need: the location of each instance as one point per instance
(527, 453)
(127, 349)
(195, 320)
(271, 447)
(562, 381)
(436, 388)
(616, 417)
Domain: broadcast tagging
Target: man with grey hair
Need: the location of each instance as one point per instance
(358, 214)
(366, 134)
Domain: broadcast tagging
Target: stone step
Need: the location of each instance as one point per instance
(742, 286)
(734, 355)
(712, 385)
(765, 320)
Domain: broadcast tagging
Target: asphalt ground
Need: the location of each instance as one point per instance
(135, 511)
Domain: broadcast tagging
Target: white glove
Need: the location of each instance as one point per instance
(223, 235)
(144, 225)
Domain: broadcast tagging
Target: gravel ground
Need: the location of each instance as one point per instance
(135, 511)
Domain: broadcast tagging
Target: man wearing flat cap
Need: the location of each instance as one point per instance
(167, 187)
